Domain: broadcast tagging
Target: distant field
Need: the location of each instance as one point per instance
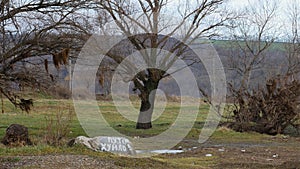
(279, 46)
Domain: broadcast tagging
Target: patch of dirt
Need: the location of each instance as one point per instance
(282, 155)
(259, 157)
(54, 162)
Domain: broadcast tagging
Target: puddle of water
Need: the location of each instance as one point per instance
(159, 151)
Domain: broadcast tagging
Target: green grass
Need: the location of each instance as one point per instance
(48, 108)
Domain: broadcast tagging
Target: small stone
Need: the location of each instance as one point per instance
(243, 150)
(221, 149)
(275, 156)
(208, 155)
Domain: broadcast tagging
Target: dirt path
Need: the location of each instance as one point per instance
(259, 157)
(254, 157)
(54, 162)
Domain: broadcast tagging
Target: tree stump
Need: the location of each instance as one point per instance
(16, 135)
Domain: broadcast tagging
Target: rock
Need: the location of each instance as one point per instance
(221, 149)
(136, 137)
(118, 145)
(16, 134)
(208, 155)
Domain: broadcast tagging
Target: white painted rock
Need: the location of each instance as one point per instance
(118, 145)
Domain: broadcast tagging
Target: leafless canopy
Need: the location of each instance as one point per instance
(147, 25)
(33, 28)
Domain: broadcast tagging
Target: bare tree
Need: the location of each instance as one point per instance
(33, 28)
(293, 40)
(145, 25)
(253, 35)
(270, 105)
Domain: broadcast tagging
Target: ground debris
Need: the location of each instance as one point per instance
(54, 161)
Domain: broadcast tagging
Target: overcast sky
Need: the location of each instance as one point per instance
(281, 19)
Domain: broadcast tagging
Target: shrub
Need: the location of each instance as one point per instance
(57, 127)
(59, 92)
(270, 109)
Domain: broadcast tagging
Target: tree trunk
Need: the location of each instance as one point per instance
(147, 105)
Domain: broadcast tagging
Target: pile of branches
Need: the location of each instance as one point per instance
(268, 110)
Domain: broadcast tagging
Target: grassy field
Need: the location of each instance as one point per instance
(228, 149)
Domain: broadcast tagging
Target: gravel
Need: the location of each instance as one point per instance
(55, 161)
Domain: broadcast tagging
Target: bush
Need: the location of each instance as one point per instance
(57, 127)
(59, 92)
(267, 110)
